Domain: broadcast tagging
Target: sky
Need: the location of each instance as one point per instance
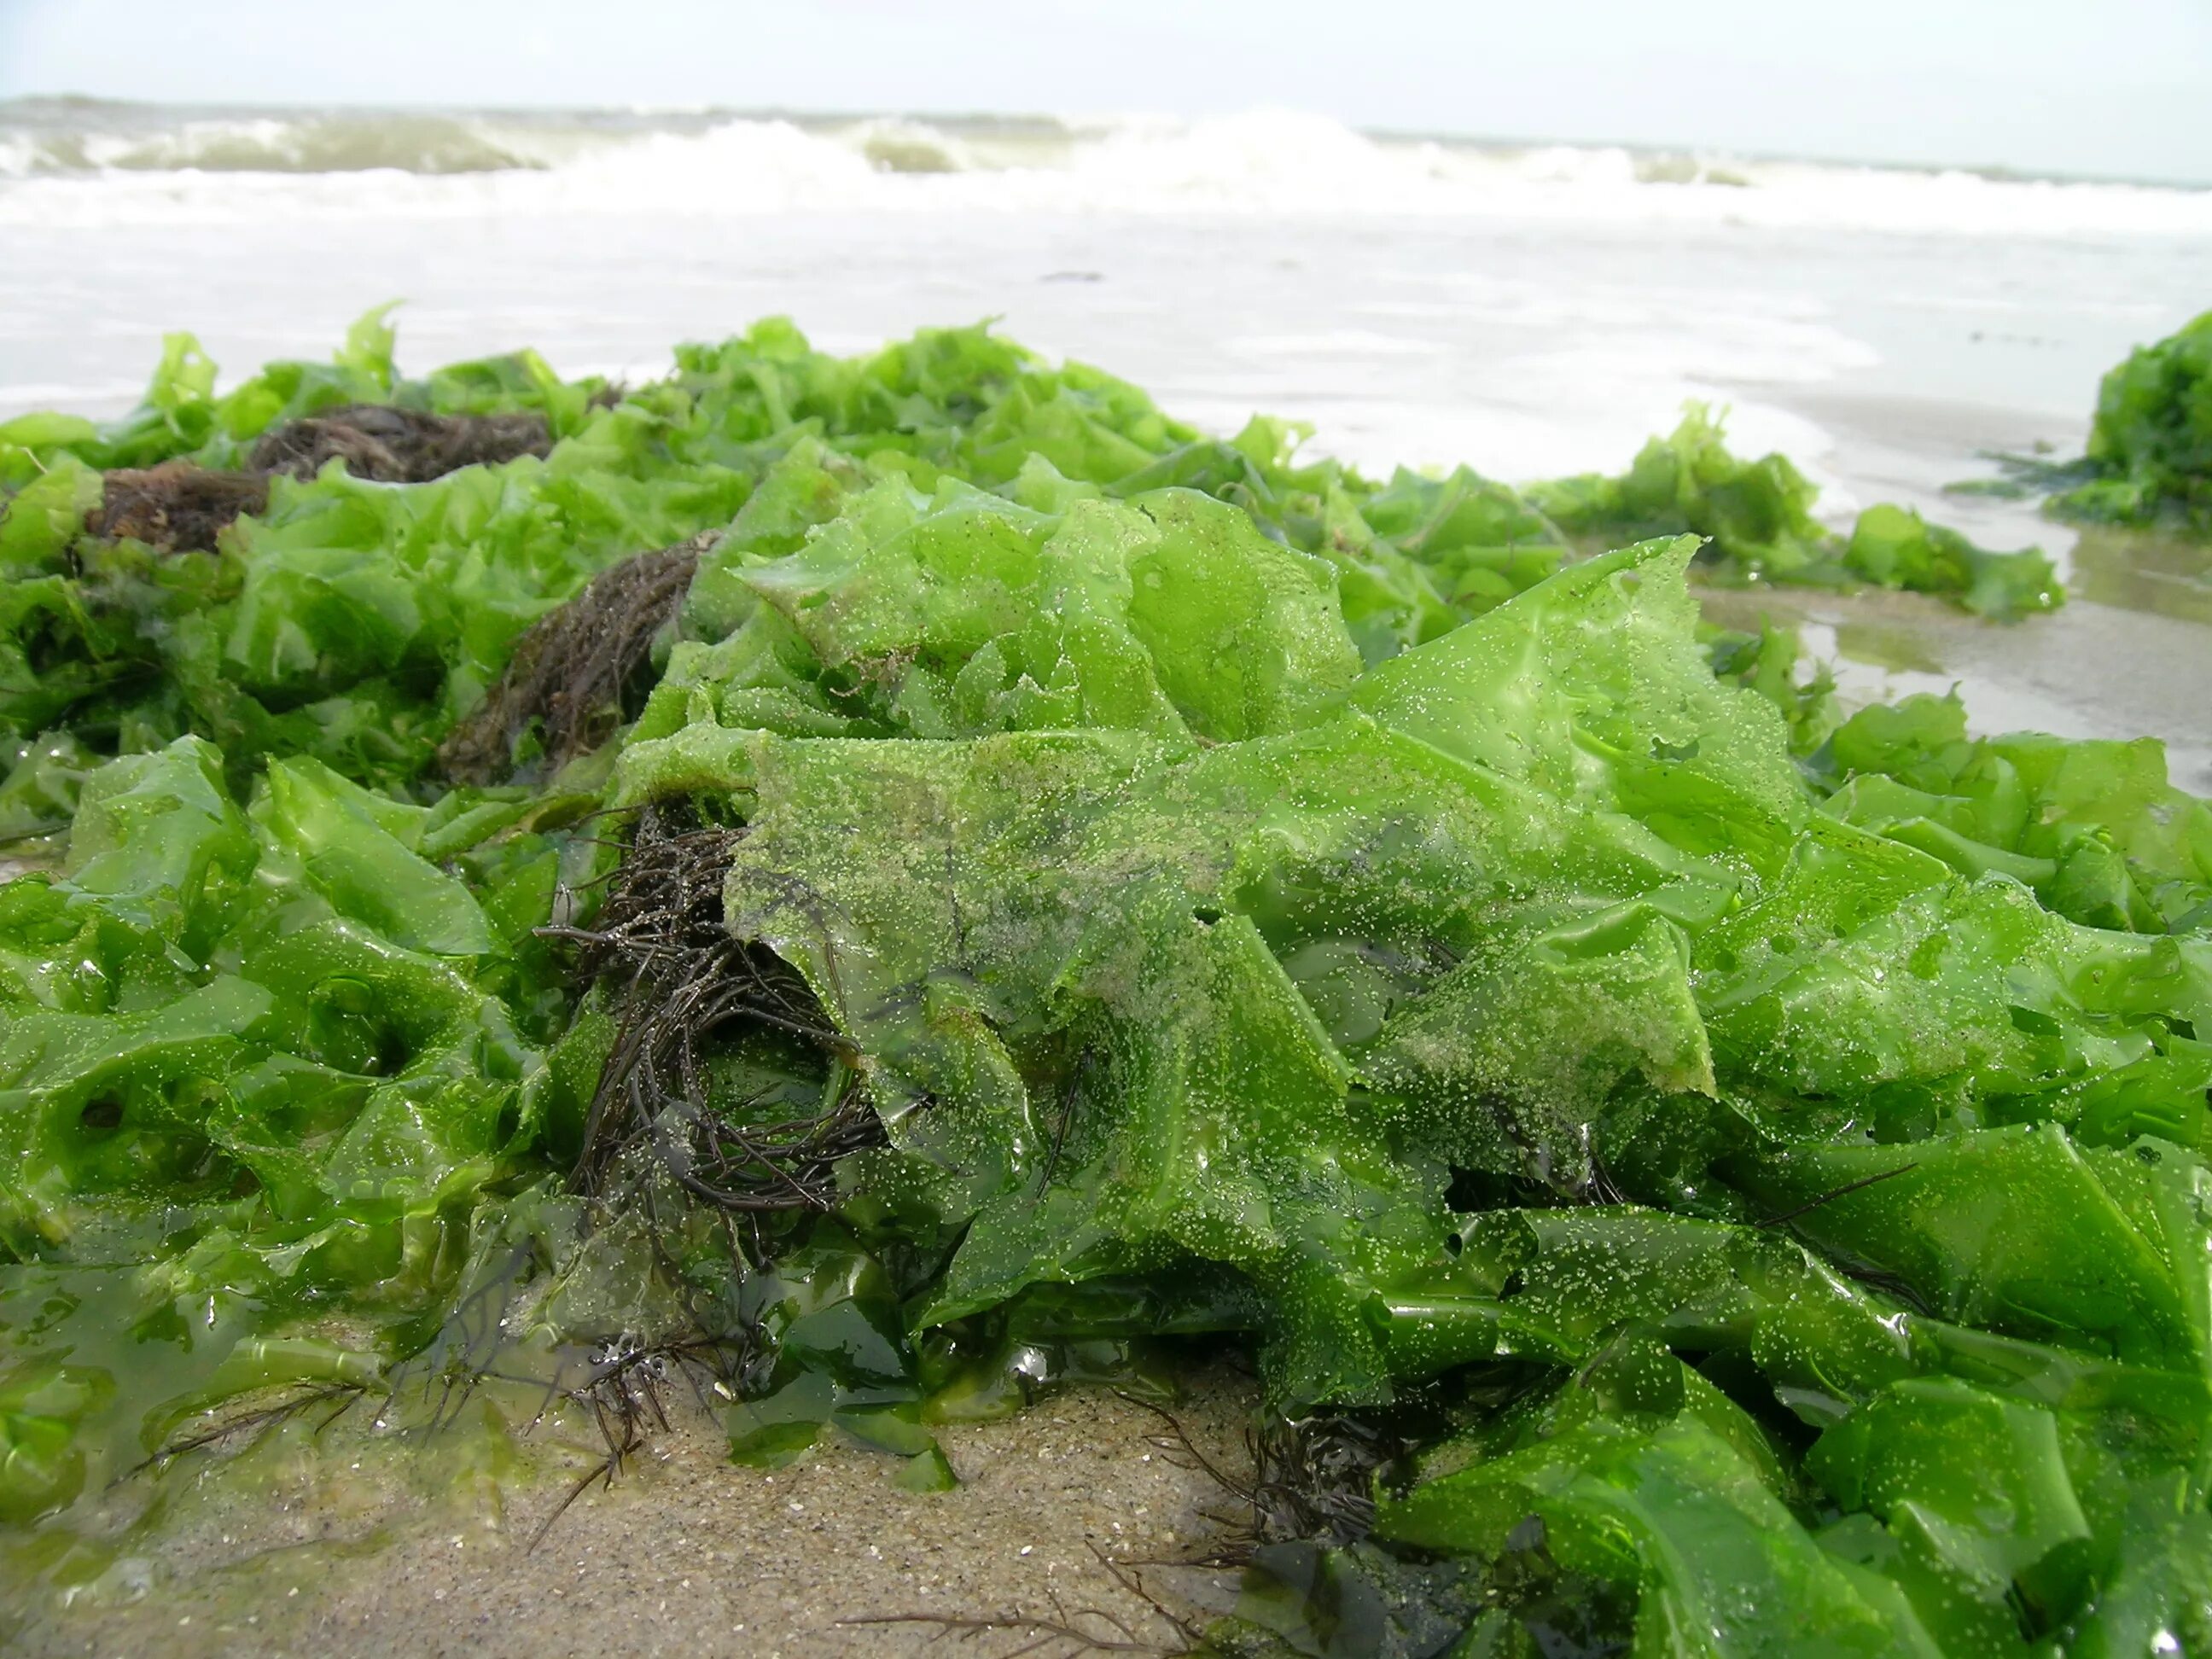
(2119, 88)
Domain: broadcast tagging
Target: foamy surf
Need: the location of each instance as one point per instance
(72, 163)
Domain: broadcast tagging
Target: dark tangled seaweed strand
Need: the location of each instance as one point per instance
(1059, 1630)
(182, 506)
(176, 506)
(1312, 1480)
(626, 1390)
(1313, 1477)
(679, 978)
(386, 444)
(575, 674)
(223, 1431)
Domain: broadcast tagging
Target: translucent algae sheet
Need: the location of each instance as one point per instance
(905, 880)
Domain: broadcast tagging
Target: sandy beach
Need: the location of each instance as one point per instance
(687, 1554)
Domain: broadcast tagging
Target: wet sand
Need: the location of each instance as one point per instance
(2087, 671)
(688, 1554)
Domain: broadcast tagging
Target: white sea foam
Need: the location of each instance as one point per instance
(19, 396)
(74, 168)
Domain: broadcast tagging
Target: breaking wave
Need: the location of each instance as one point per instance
(79, 161)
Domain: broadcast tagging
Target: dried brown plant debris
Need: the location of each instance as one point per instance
(387, 444)
(180, 506)
(176, 505)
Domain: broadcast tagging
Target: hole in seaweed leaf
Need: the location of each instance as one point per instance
(1472, 1190)
(392, 1053)
(103, 1115)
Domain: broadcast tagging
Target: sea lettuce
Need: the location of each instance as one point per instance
(1758, 517)
(2150, 443)
(2092, 825)
(1752, 1161)
(1529, 886)
(274, 1054)
(359, 622)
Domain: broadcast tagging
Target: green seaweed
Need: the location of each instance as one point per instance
(1757, 516)
(2149, 455)
(1081, 889)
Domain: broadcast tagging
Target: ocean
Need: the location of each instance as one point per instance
(1530, 310)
